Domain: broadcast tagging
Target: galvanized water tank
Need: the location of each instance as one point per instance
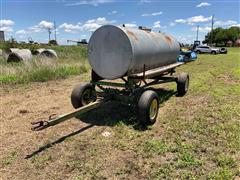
(118, 51)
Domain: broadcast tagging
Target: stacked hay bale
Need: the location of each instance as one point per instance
(18, 55)
(45, 53)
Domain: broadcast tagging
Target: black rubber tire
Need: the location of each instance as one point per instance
(198, 52)
(144, 104)
(182, 84)
(214, 52)
(77, 93)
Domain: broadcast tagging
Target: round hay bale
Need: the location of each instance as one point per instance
(38, 51)
(49, 53)
(6, 52)
(10, 50)
(19, 55)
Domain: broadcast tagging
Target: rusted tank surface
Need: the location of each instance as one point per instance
(118, 51)
(17, 55)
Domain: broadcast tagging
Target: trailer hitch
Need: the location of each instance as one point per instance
(54, 120)
(38, 125)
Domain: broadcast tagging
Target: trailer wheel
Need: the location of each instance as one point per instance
(83, 94)
(214, 52)
(182, 84)
(148, 105)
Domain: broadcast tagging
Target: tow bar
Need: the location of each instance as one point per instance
(52, 121)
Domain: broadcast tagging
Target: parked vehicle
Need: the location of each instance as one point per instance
(207, 49)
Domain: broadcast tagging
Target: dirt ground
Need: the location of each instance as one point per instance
(47, 154)
(22, 105)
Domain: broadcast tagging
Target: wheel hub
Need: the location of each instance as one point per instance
(153, 109)
(87, 97)
(186, 85)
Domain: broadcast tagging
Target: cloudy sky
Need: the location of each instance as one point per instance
(77, 19)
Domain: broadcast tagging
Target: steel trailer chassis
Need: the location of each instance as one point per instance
(134, 90)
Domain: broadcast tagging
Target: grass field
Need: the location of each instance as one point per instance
(71, 61)
(195, 137)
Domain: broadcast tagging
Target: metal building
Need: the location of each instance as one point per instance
(2, 38)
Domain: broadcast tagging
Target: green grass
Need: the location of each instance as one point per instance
(155, 147)
(10, 158)
(221, 174)
(40, 161)
(195, 137)
(41, 74)
(71, 61)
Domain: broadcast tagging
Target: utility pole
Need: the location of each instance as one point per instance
(55, 31)
(197, 32)
(49, 34)
(212, 30)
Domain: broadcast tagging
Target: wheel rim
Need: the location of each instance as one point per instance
(186, 85)
(87, 97)
(153, 109)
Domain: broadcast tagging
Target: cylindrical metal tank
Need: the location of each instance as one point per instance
(118, 51)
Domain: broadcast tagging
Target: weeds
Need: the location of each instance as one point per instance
(72, 61)
(9, 159)
(155, 146)
(221, 174)
(41, 160)
(186, 159)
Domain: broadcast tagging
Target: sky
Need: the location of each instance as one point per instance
(78, 19)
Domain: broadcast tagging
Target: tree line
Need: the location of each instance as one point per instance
(221, 36)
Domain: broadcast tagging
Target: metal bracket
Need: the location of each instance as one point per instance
(37, 125)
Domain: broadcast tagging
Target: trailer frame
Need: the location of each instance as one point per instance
(128, 92)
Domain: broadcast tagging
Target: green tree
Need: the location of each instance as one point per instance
(222, 36)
